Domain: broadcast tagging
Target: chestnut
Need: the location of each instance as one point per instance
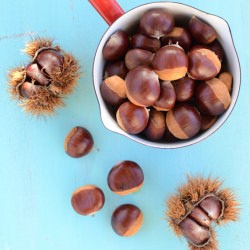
(140, 41)
(131, 118)
(125, 177)
(216, 47)
(87, 200)
(168, 136)
(156, 23)
(28, 89)
(184, 121)
(213, 206)
(170, 63)
(143, 87)
(113, 90)
(138, 57)
(116, 46)
(166, 100)
(116, 68)
(207, 121)
(33, 71)
(200, 216)
(204, 64)
(126, 220)
(212, 97)
(78, 142)
(156, 125)
(195, 234)
(178, 36)
(184, 89)
(49, 60)
(227, 78)
(201, 31)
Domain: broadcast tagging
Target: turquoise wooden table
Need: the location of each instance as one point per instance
(37, 178)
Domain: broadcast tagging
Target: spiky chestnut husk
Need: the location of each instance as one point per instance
(62, 77)
(190, 195)
(16, 77)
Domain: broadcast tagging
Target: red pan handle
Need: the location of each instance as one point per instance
(110, 10)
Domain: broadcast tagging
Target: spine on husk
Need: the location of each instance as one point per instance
(52, 74)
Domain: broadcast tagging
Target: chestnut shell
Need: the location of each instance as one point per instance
(126, 220)
(87, 200)
(125, 177)
(78, 142)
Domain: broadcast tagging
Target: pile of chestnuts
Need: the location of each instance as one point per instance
(168, 81)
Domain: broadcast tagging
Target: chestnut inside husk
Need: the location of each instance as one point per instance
(198, 205)
(51, 75)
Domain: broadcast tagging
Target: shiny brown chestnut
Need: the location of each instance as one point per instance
(78, 142)
(227, 78)
(212, 97)
(113, 90)
(168, 136)
(138, 57)
(213, 206)
(140, 41)
(87, 200)
(49, 60)
(207, 121)
(126, 220)
(179, 36)
(167, 98)
(201, 31)
(195, 234)
(156, 125)
(156, 23)
(184, 89)
(125, 177)
(116, 68)
(116, 46)
(170, 63)
(33, 71)
(143, 87)
(28, 89)
(200, 216)
(216, 47)
(184, 121)
(131, 118)
(204, 64)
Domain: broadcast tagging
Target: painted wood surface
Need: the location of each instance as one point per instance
(37, 178)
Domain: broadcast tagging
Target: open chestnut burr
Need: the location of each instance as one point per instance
(125, 177)
(198, 205)
(41, 86)
(220, 53)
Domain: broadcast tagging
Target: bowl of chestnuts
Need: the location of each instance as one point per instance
(165, 74)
